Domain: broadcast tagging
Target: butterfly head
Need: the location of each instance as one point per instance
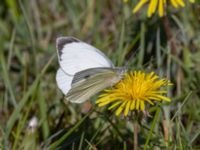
(121, 71)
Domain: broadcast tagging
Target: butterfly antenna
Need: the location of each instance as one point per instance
(132, 55)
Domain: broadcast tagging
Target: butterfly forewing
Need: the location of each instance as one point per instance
(75, 55)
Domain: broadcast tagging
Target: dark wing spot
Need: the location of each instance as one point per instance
(87, 76)
(62, 41)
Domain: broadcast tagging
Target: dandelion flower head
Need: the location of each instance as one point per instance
(132, 92)
(159, 5)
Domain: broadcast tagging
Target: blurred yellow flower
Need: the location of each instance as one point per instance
(133, 91)
(125, 1)
(160, 5)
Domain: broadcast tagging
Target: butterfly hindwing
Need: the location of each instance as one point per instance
(64, 81)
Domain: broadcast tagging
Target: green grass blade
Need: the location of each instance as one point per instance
(81, 141)
(121, 51)
(7, 81)
(59, 141)
(155, 119)
(23, 101)
(43, 114)
(142, 46)
(183, 103)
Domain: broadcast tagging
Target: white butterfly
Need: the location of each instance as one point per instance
(84, 70)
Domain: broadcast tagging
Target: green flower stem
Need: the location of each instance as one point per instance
(135, 138)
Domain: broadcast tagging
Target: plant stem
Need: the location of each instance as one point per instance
(135, 140)
(166, 131)
(169, 35)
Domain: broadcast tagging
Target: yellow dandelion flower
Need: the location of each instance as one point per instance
(159, 5)
(134, 91)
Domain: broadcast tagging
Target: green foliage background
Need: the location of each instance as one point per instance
(170, 46)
